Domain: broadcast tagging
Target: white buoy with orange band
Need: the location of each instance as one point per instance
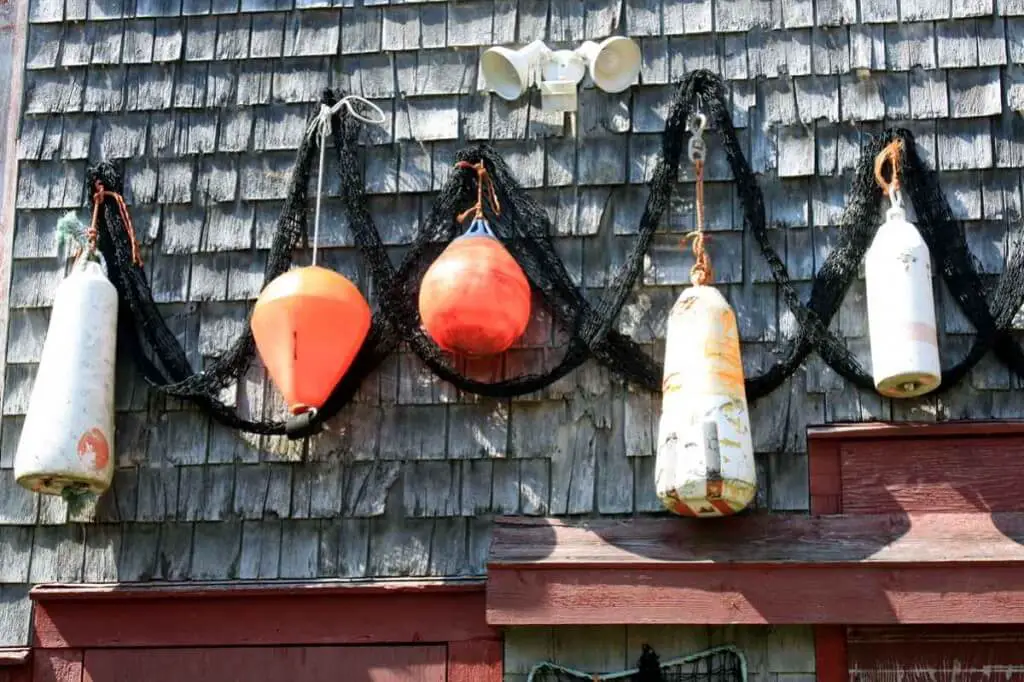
(900, 298)
(705, 456)
(67, 440)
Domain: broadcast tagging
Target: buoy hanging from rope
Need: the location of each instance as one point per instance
(705, 454)
(310, 322)
(66, 446)
(900, 299)
(475, 299)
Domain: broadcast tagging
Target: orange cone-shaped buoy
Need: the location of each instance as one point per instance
(475, 299)
(309, 324)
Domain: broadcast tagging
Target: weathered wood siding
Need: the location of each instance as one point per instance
(202, 102)
(774, 654)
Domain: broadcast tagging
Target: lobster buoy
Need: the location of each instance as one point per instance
(901, 310)
(475, 299)
(705, 456)
(308, 325)
(67, 441)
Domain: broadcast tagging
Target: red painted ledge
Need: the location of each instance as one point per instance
(862, 430)
(14, 657)
(759, 569)
(264, 614)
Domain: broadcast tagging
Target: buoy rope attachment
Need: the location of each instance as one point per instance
(484, 183)
(320, 126)
(891, 154)
(701, 273)
(101, 193)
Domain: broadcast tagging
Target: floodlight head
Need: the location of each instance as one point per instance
(509, 73)
(614, 63)
(561, 73)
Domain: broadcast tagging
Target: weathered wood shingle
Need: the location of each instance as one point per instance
(202, 104)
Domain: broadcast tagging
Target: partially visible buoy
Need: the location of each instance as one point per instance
(67, 440)
(705, 457)
(475, 299)
(309, 324)
(900, 300)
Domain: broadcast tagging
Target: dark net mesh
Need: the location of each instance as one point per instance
(724, 664)
(525, 228)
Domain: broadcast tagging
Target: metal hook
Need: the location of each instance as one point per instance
(697, 148)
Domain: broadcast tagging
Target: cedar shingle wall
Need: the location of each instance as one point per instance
(203, 104)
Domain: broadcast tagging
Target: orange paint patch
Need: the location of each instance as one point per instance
(93, 447)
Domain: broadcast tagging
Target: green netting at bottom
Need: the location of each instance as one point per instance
(721, 664)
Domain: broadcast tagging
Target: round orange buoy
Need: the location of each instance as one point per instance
(475, 299)
(308, 325)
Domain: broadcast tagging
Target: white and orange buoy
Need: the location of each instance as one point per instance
(67, 440)
(705, 457)
(900, 299)
(705, 454)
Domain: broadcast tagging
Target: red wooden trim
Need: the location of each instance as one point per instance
(398, 663)
(727, 594)
(955, 474)
(977, 428)
(57, 666)
(14, 656)
(825, 474)
(475, 661)
(81, 617)
(749, 542)
(830, 659)
(759, 569)
(49, 592)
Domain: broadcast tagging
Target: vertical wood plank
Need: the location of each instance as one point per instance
(669, 641)
(825, 473)
(830, 660)
(591, 648)
(525, 647)
(475, 661)
(297, 664)
(57, 665)
(9, 125)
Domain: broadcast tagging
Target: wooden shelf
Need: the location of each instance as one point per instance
(758, 569)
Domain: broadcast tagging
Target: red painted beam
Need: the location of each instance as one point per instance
(759, 569)
(860, 430)
(378, 613)
(726, 595)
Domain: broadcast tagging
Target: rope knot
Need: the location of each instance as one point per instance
(101, 193)
(891, 154)
(485, 191)
(701, 273)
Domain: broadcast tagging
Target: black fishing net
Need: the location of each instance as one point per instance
(525, 229)
(722, 664)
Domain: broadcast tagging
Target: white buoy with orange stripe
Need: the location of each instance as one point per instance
(67, 439)
(705, 455)
(900, 298)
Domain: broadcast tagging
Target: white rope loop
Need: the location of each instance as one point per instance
(321, 127)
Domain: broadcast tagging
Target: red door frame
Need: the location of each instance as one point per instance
(826, 453)
(69, 619)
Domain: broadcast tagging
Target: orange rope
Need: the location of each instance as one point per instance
(483, 183)
(97, 201)
(701, 272)
(893, 154)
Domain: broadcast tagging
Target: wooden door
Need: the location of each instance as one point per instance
(383, 663)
